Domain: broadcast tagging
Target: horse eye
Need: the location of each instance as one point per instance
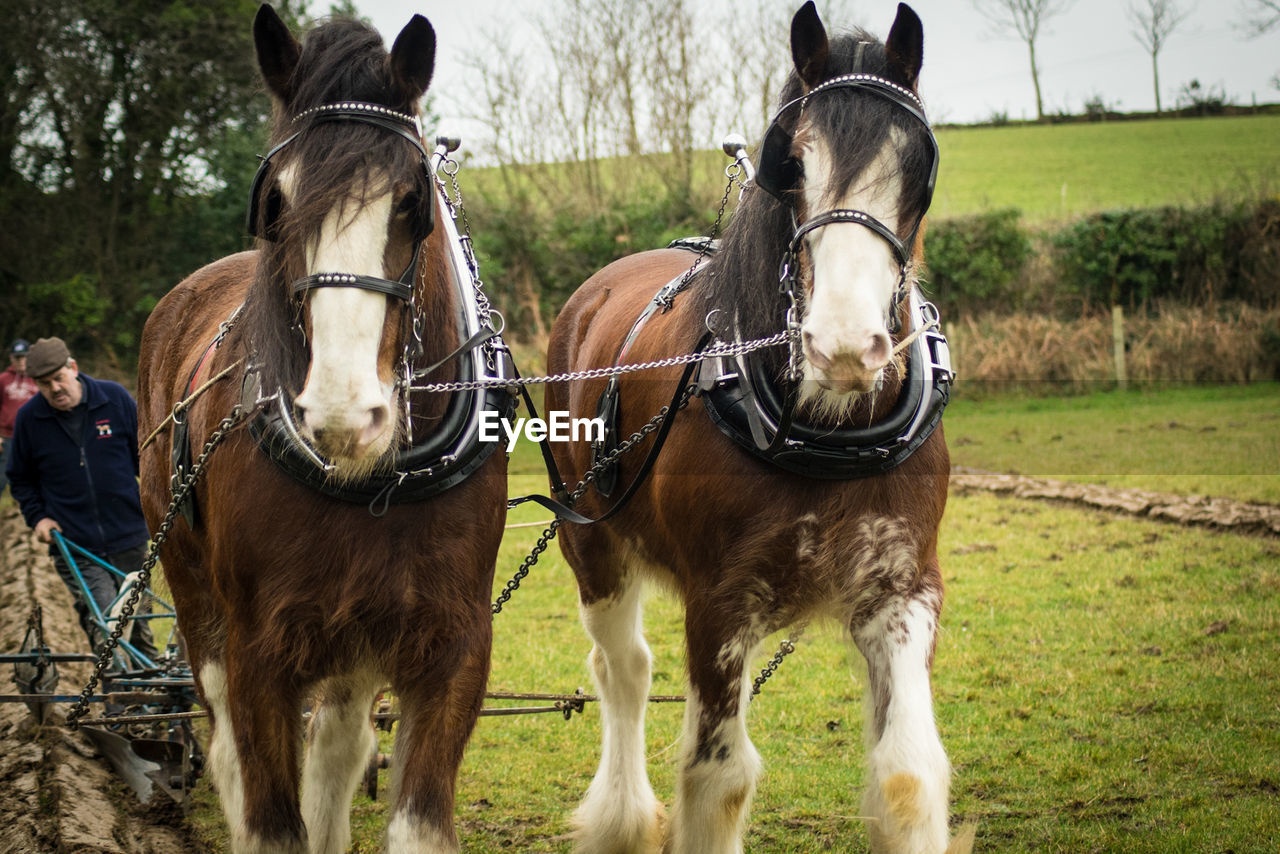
(408, 204)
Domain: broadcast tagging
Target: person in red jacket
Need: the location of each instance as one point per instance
(16, 388)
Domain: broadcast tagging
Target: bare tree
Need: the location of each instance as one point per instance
(681, 84)
(1259, 16)
(1024, 18)
(1153, 22)
(759, 58)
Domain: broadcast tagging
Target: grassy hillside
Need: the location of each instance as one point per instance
(1056, 172)
(1049, 172)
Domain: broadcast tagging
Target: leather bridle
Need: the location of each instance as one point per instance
(779, 176)
(262, 219)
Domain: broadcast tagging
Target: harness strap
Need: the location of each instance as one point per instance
(861, 218)
(483, 335)
(568, 514)
(401, 290)
(191, 396)
(558, 488)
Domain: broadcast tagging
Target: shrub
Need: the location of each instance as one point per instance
(1191, 255)
(975, 262)
(1197, 100)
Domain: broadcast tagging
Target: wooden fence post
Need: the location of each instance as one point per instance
(1117, 341)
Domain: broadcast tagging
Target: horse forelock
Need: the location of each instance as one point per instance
(860, 124)
(334, 166)
(742, 280)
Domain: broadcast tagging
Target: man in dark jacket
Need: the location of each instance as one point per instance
(74, 468)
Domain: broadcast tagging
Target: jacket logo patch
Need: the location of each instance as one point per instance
(104, 429)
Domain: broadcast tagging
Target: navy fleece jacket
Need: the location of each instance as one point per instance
(88, 486)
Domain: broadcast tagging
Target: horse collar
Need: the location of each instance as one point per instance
(744, 401)
(431, 464)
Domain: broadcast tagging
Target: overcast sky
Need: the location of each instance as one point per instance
(969, 72)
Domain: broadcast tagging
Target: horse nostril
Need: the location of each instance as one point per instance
(878, 351)
(378, 417)
(816, 357)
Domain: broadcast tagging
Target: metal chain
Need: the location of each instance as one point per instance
(527, 564)
(732, 348)
(731, 172)
(785, 648)
(580, 490)
(143, 578)
(458, 211)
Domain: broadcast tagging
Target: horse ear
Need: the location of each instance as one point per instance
(278, 51)
(809, 47)
(413, 58)
(905, 46)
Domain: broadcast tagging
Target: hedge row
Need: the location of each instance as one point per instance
(1133, 258)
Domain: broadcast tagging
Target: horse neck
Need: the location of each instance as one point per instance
(742, 279)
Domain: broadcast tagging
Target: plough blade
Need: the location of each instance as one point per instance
(145, 764)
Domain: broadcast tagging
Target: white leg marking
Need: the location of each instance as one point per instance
(224, 760)
(340, 744)
(714, 790)
(908, 774)
(619, 811)
(407, 835)
(408, 832)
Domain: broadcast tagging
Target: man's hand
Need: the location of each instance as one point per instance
(45, 528)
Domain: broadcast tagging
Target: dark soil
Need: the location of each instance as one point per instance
(1223, 513)
(56, 793)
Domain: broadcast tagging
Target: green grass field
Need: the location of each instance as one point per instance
(1058, 172)
(1101, 683)
(1202, 440)
(1049, 172)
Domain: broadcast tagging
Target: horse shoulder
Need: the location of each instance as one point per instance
(613, 296)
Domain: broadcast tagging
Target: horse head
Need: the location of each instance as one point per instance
(852, 155)
(344, 204)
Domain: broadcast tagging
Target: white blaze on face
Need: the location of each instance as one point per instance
(345, 407)
(855, 271)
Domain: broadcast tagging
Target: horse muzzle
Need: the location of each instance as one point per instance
(851, 370)
(358, 434)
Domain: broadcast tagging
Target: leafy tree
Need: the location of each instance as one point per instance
(125, 127)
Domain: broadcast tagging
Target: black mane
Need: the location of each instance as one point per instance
(742, 279)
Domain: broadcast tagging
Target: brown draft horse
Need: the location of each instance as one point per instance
(287, 596)
(749, 547)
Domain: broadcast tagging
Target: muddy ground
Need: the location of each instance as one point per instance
(1197, 510)
(57, 795)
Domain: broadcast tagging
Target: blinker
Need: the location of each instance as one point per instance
(261, 222)
(778, 172)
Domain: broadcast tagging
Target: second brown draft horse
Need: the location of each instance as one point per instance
(293, 585)
(761, 538)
